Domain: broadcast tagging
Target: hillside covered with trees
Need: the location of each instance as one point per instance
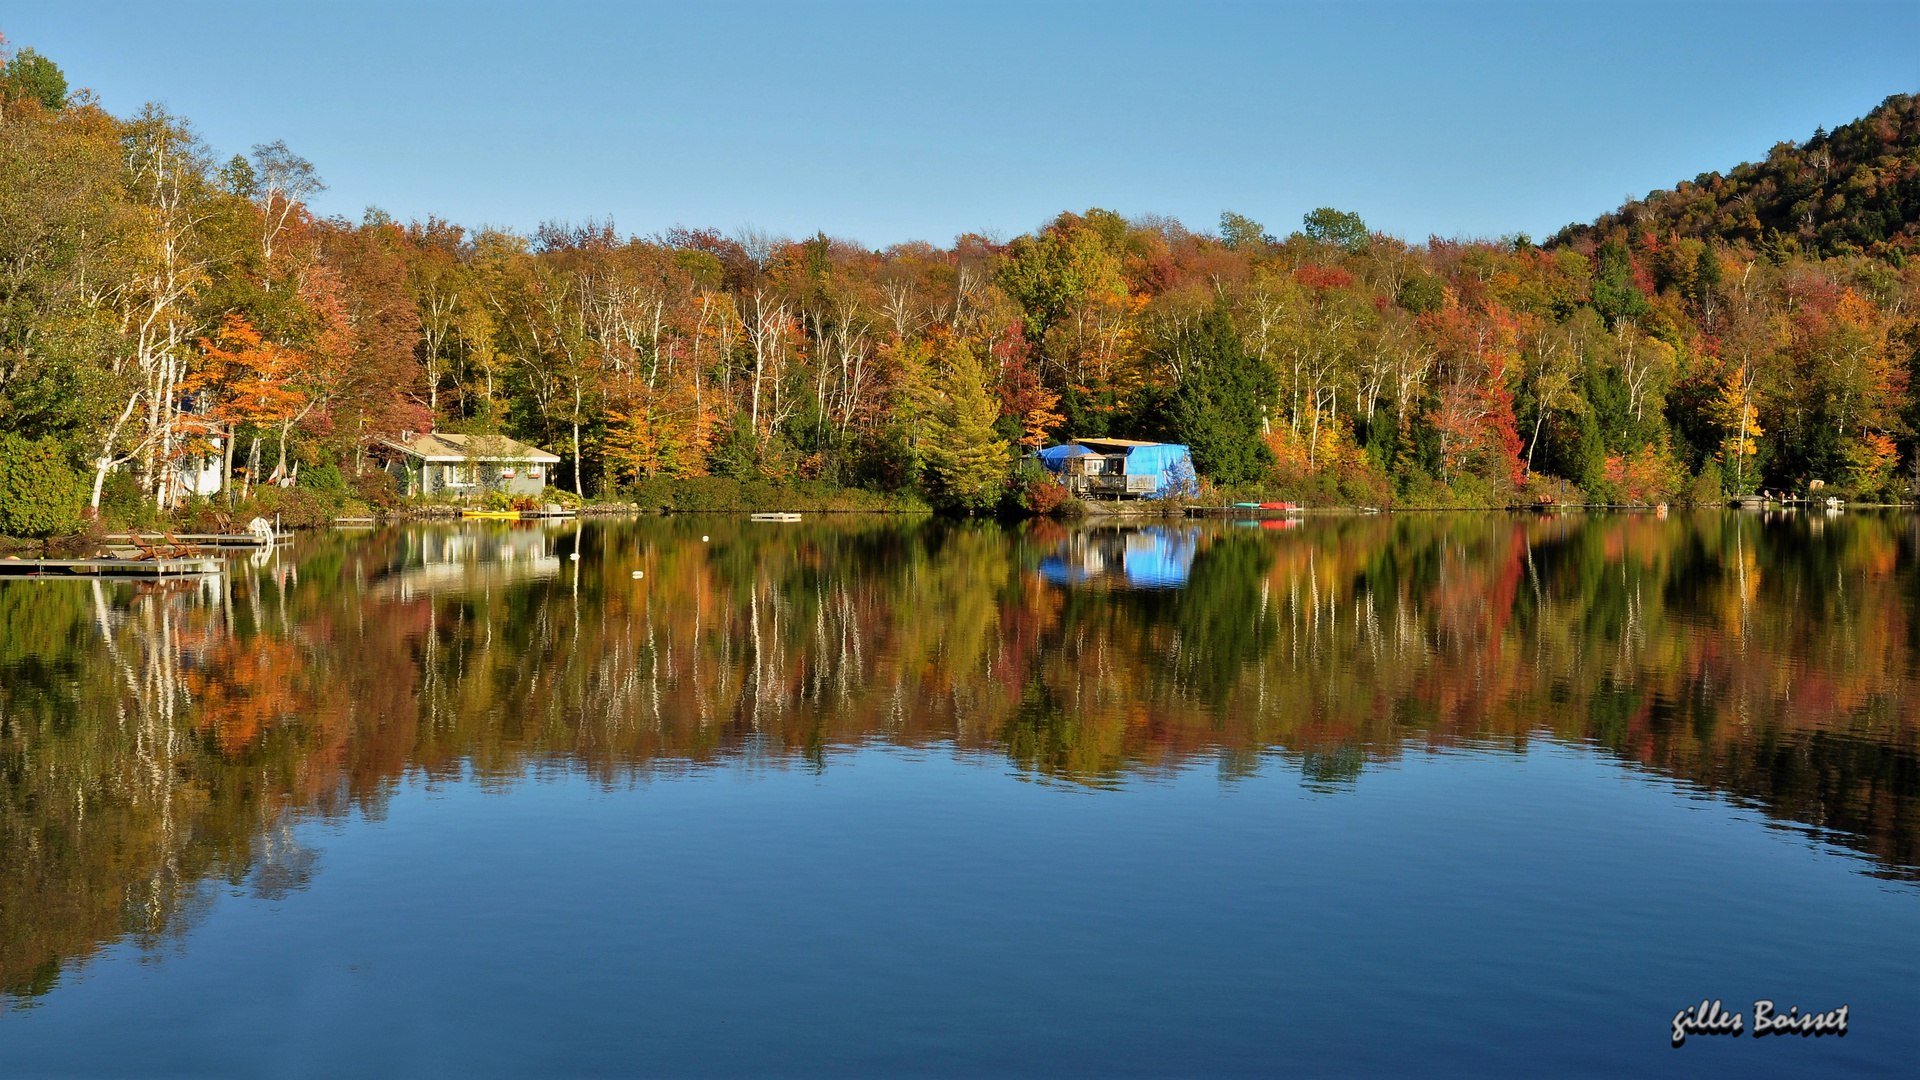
(1850, 191)
(160, 304)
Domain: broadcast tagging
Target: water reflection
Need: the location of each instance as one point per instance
(429, 562)
(1126, 556)
(159, 739)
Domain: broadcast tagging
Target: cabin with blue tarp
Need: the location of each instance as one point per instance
(1122, 468)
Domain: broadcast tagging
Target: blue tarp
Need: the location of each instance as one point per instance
(1055, 457)
(1171, 462)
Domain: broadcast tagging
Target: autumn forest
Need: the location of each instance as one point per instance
(1749, 330)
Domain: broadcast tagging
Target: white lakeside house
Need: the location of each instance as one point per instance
(433, 463)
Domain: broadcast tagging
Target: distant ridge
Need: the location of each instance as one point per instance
(1852, 191)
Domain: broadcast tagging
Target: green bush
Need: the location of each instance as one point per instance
(40, 493)
(376, 488)
(324, 478)
(297, 508)
(1706, 490)
(124, 507)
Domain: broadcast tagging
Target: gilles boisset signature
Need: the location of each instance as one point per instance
(1707, 1018)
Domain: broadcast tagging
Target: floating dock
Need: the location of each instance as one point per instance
(773, 517)
(108, 568)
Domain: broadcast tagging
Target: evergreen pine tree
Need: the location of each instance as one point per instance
(968, 459)
(1220, 402)
(1615, 294)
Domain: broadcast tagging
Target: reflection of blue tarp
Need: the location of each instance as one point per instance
(1159, 558)
(1055, 571)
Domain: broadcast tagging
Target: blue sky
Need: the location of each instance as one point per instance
(890, 122)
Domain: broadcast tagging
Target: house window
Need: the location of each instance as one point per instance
(454, 476)
(506, 474)
(533, 472)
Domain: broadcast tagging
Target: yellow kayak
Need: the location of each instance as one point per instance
(495, 515)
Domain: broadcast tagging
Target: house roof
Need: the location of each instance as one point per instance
(1114, 444)
(440, 446)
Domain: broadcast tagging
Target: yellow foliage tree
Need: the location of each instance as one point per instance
(1734, 413)
(969, 461)
(1870, 460)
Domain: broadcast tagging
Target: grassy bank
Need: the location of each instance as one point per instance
(721, 495)
(1464, 492)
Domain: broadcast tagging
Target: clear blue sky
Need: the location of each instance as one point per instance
(896, 121)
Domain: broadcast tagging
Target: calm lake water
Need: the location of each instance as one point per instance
(1390, 795)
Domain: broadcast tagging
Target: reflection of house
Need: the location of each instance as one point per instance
(480, 556)
(1122, 468)
(469, 465)
(1155, 557)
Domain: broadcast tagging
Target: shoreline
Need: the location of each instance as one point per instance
(821, 503)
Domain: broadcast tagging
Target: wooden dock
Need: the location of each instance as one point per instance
(773, 517)
(108, 568)
(191, 548)
(204, 540)
(196, 538)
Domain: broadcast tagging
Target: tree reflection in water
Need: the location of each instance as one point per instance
(160, 740)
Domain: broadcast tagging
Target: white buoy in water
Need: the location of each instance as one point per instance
(575, 557)
(703, 539)
(637, 573)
